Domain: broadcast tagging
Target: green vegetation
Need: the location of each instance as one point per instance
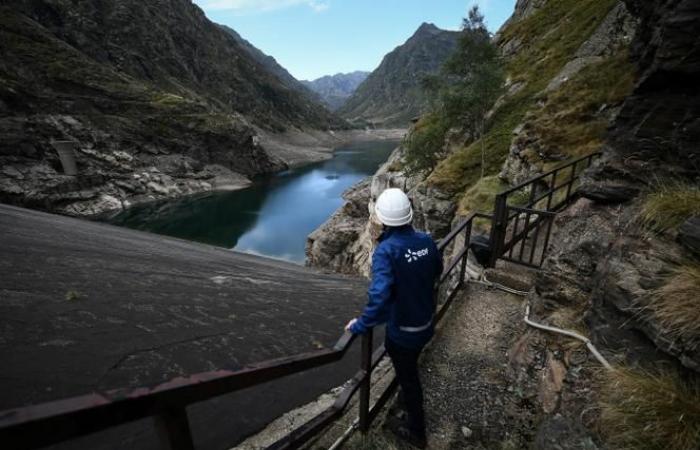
(548, 39)
(424, 146)
(568, 123)
(469, 84)
(462, 168)
(675, 305)
(480, 198)
(669, 205)
(650, 410)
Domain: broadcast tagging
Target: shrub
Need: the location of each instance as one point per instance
(424, 145)
(650, 410)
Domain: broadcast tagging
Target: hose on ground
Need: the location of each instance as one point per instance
(551, 329)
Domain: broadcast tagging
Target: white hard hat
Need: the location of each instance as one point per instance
(393, 208)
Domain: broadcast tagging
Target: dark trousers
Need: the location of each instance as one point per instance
(405, 363)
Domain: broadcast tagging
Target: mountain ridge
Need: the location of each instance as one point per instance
(391, 95)
(160, 101)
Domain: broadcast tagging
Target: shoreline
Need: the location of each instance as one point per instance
(332, 141)
(299, 148)
(99, 192)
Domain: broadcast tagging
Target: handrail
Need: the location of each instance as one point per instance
(49, 423)
(28, 427)
(505, 213)
(537, 178)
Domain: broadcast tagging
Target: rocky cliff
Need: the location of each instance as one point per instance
(391, 95)
(160, 101)
(622, 261)
(335, 90)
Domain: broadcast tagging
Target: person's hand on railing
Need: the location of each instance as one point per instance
(350, 324)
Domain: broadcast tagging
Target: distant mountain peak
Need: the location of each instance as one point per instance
(336, 89)
(427, 26)
(427, 29)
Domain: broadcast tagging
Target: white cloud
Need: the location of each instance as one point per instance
(252, 6)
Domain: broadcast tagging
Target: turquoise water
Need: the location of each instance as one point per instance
(273, 216)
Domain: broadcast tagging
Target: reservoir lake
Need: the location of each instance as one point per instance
(273, 216)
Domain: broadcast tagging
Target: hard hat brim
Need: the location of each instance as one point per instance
(396, 221)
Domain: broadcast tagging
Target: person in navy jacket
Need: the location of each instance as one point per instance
(405, 267)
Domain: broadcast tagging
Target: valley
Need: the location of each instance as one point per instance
(181, 212)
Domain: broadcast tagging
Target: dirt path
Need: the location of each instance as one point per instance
(470, 400)
(466, 374)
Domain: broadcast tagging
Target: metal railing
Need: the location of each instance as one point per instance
(53, 422)
(534, 204)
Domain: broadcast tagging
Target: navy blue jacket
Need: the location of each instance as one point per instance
(405, 267)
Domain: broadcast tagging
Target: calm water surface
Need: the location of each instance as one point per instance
(273, 216)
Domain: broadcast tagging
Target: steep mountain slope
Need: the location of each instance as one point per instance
(161, 102)
(334, 90)
(271, 64)
(392, 95)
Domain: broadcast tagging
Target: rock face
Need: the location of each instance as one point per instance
(661, 119)
(603, 264)
(528, 150)
(392, 95)
(142, 88)
(335, 90)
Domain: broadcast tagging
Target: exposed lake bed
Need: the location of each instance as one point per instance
(272, 216)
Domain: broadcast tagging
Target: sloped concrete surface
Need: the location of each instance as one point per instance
(86, 306)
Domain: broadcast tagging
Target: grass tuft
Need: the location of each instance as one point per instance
(481, 196)
(650, 410)
(670, 205)
(570, 124)
(675, 305)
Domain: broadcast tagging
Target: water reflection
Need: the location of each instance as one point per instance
(270, 218)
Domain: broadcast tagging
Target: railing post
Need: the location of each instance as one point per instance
(174, 430)
(552, 185)
(499, 226)
(366, 364)
(467, 238)
(571, 182)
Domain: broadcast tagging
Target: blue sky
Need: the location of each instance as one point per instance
(312, 38)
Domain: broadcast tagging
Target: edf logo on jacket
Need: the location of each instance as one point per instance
(413, 256)
(405, 267)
